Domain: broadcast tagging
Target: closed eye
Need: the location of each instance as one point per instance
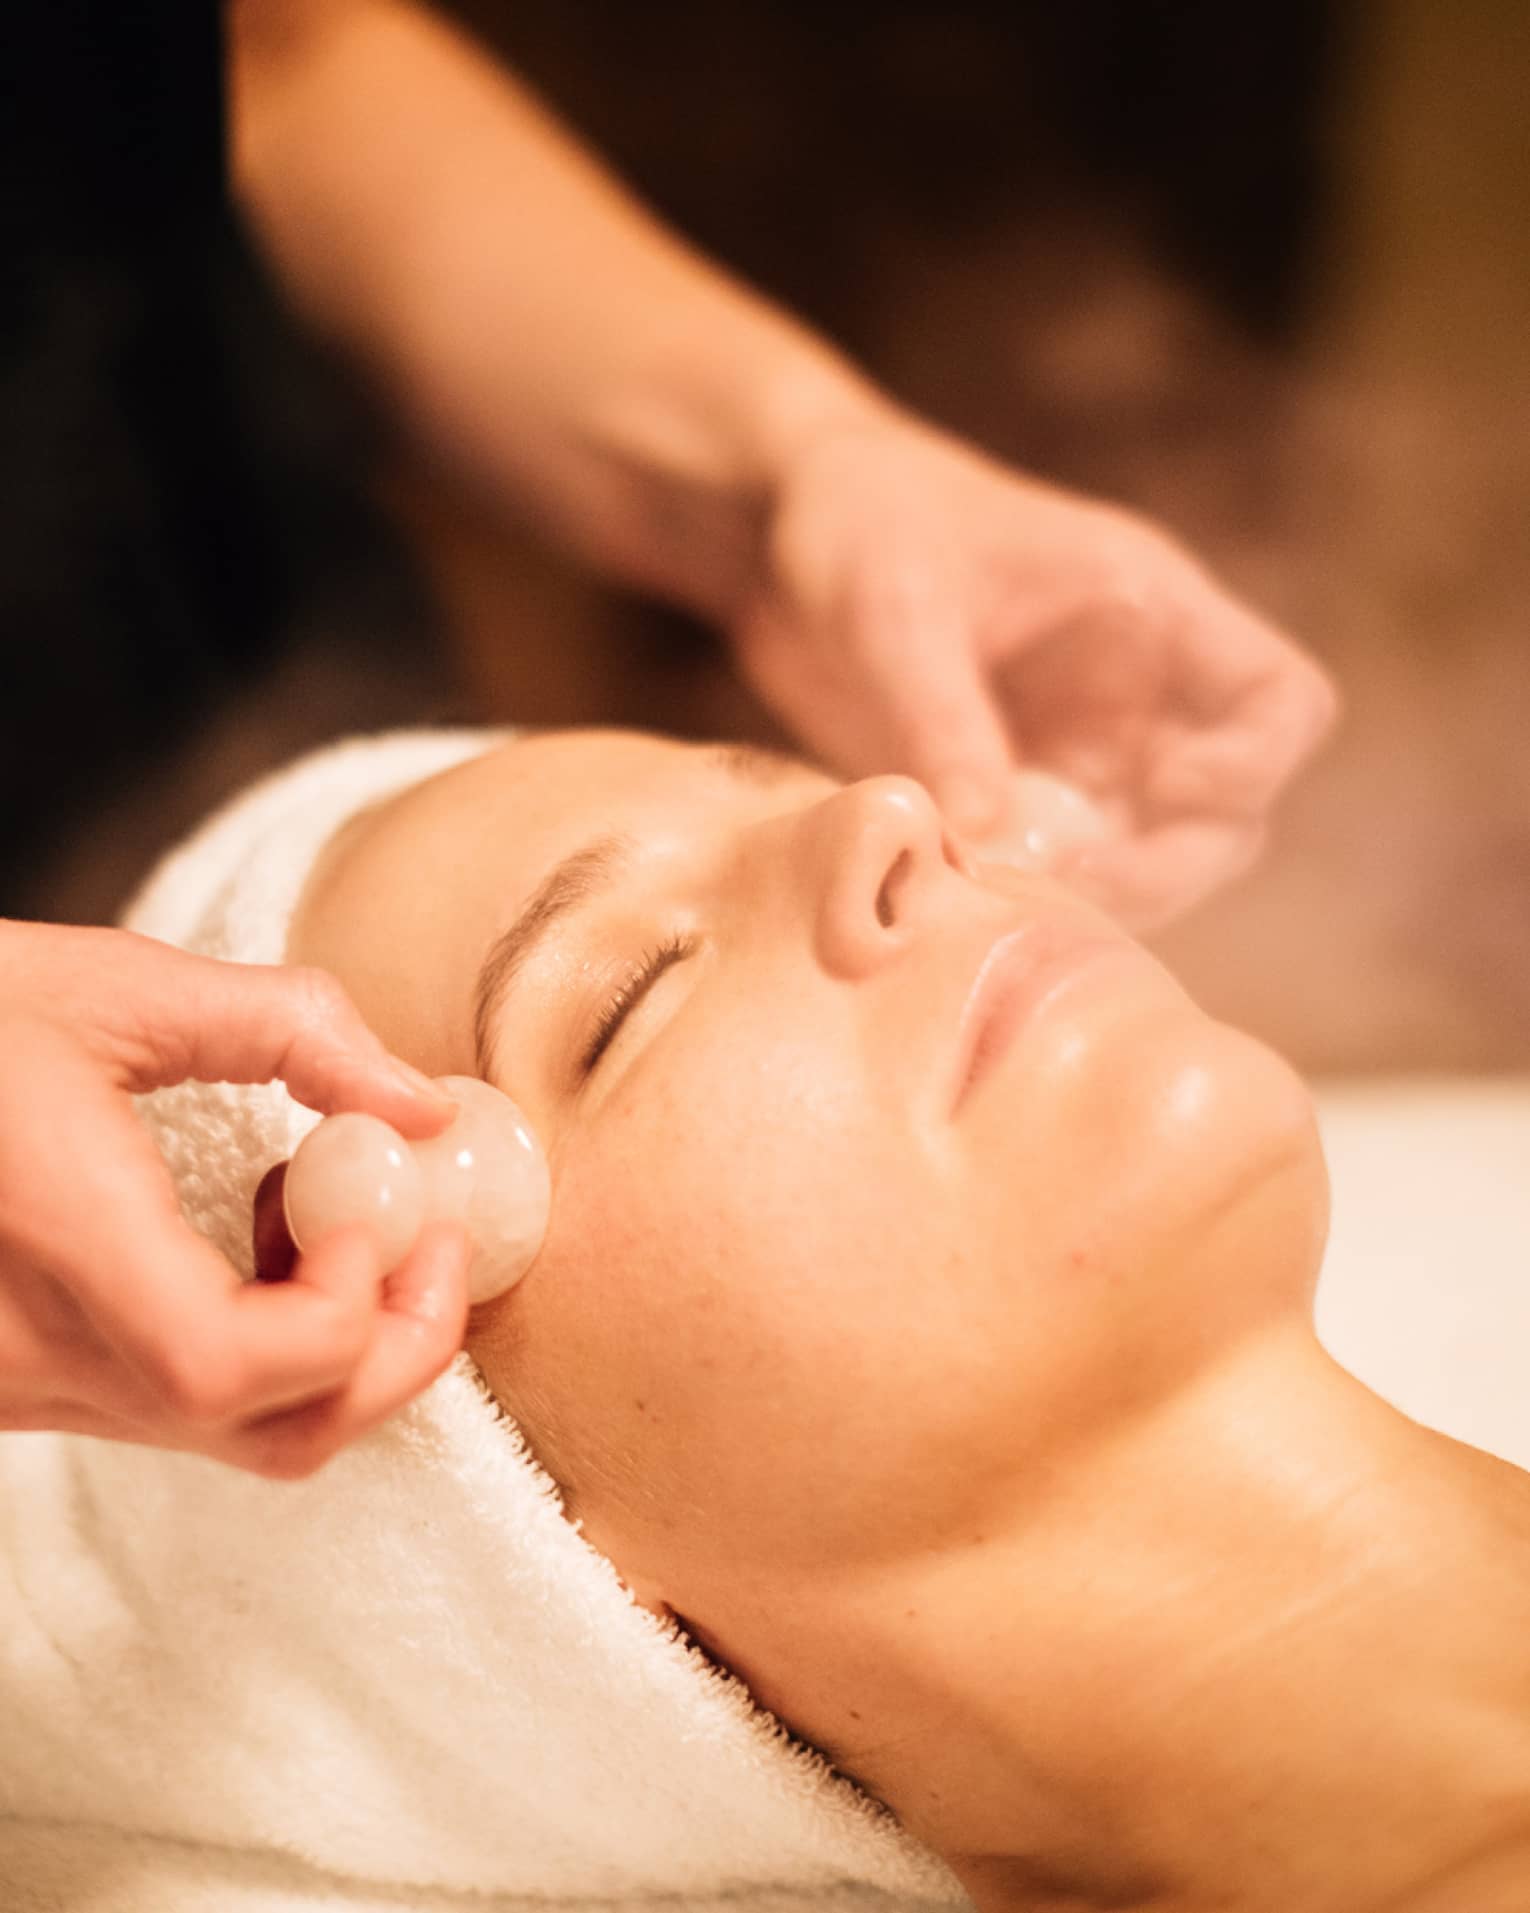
(629, 994)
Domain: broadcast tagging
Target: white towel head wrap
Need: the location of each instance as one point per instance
(405, 1679)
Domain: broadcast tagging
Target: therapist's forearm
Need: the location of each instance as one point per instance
(544, 333)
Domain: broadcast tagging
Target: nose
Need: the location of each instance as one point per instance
(879, 856)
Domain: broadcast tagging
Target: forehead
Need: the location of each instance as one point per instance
(478, 840)
(555, 777)
(557, 784)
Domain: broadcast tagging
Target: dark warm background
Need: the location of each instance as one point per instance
(1261, 271)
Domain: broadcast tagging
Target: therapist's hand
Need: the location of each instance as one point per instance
(116, 1317)
(924, 609)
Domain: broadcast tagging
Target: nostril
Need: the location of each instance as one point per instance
(891, 884)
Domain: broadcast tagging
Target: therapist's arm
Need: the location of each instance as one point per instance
(544, 333)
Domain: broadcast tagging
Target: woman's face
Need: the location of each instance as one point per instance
(843, 1261)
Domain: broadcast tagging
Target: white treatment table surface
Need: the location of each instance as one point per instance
(1425, 1293)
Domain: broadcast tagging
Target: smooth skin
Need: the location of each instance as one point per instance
(987, 1437)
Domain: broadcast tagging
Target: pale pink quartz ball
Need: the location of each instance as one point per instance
(485, 1170)
(1047, 818)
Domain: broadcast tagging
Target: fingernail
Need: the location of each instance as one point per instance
(419, 1084)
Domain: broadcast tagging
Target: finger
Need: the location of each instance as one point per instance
(920, 666)
(415, 1337)
(204, 1347)
(1291, 713)
(1250, 686)
(1145, 881)
(1237, 770)
(192, 1016)
(64, 1415)
(334, 1299)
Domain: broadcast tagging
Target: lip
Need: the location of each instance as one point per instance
(1022, 971)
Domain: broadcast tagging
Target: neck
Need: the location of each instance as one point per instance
(1268, 1648)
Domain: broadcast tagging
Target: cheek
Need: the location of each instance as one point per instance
(752, 1320)
(1185, 1200)
(777, 1329)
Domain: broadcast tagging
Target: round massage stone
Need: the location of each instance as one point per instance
(353, 1168)
(487, 1170)
(1047, 818)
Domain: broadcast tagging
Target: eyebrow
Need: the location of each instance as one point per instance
(570, 885)
(576, 881)
(754, 763)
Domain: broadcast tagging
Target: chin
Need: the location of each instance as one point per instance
(1209, 1149)
(1242, 1171)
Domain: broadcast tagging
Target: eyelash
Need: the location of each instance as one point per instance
(634, 987)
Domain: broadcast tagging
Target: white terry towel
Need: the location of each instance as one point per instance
(405, 1680)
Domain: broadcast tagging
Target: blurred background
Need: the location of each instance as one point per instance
(1262, 272)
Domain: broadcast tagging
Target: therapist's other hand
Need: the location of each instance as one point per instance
(924, 609)
(116, 1317)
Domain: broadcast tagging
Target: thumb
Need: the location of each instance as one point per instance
(946, 727)
(194, 1016)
